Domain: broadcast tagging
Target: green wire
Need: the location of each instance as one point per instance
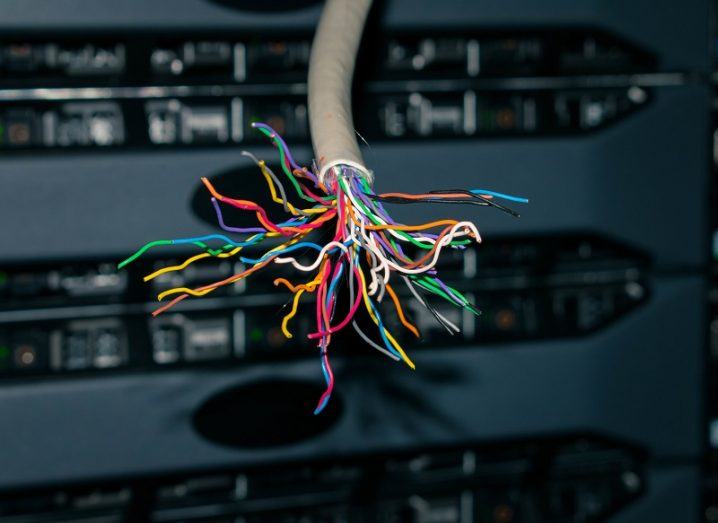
(282, 159)
(368, 189)
(214, 252)
(376, 221)
(423, 281)
(158, 243)
(143, 250)
(434, 290)
(454, 292)
(432, 287)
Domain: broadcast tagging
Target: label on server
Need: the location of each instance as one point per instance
(71, 124)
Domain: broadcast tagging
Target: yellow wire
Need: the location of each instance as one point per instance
(273, 190)
(200, 256)
(277, 199)
(410, 326)
(189, 261)
(192, 292)
(161, 296)
(292, 313)
(198, 293)
(309, 286)
(386, 332)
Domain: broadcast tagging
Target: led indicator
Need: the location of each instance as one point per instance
(256, 334)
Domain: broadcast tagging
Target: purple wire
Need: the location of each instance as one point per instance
(448, 291)
(220, 219)
(382, 213)
(358, 190)
(287, 153)
(365, 199)
(227, 228)
(386, 246)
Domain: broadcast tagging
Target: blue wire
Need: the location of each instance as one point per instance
(330, 291)
(387, 344)
(320, 408)
(259, 238)
(182, 241)
(333, 284)
(301, 245)
(518, 199)
(324, 403)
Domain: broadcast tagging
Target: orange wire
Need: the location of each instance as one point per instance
(427, 256)
(428, 195)
(400, 312)
(289, 285)
(261, 219)
(310, 286)
(303, 174)
(399, 227)
(214, 285)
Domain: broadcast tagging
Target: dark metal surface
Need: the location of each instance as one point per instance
(642, 181)
(627, 382)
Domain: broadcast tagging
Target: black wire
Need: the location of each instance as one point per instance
(425, 302)
(488, 201)
(396, 199)
(475, 200)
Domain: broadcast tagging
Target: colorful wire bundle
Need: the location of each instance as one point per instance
(367, 247)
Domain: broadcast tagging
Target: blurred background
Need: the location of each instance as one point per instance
(581, 394)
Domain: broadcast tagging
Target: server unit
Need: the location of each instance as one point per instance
(575, 396)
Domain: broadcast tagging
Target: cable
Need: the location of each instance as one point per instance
(331, 69)
(345, 238)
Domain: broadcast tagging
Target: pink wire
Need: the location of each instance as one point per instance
(320, 300)
(330, 387)
(320, 291)
(355, 306)
(273, 226)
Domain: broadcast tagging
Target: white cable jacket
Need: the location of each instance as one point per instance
(331, 68)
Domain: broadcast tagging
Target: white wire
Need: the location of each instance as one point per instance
(421, 300)
(320, 257)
